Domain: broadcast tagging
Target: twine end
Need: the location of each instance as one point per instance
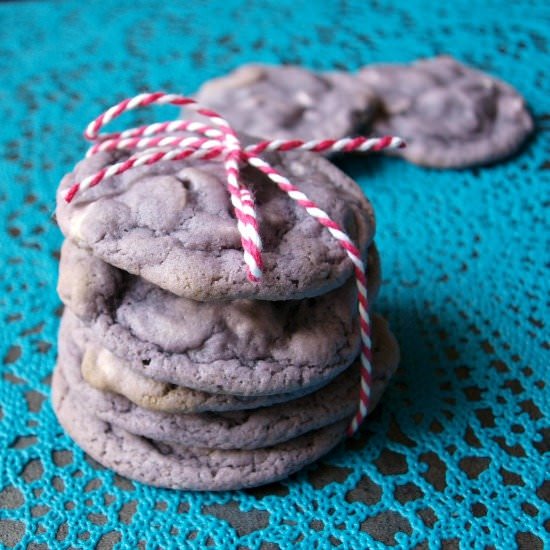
(253, 278)
(69, 194)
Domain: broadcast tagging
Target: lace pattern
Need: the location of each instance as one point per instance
(456, 455)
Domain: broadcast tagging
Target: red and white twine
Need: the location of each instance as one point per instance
(159, 142)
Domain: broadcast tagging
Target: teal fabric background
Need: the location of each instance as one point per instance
(456, 456)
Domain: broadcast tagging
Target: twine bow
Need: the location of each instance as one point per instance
(218, 141)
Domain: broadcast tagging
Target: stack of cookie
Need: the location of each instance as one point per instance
(173, 368)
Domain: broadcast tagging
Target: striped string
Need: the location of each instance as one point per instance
(217, 141)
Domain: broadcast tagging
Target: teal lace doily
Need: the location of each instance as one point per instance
(456, 455)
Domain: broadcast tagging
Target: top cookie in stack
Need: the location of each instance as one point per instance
(176, 228)
(177, 371)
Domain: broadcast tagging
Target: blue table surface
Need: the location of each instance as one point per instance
(457, 455)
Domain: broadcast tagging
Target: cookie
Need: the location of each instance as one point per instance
(450, 115)
(243, 347)
(175, 466)
(262, 427)
(172, 224)
(105, 371)
(289, 102)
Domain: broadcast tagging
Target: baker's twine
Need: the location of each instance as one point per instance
(217, 141)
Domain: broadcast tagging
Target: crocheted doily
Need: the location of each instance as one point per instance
(456, 454)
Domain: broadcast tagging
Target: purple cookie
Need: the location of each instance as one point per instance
(175, 466)
(263, 427)
(106, 372)
(289, 102)
(242, 347)
(450, 115)
(172, 224)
